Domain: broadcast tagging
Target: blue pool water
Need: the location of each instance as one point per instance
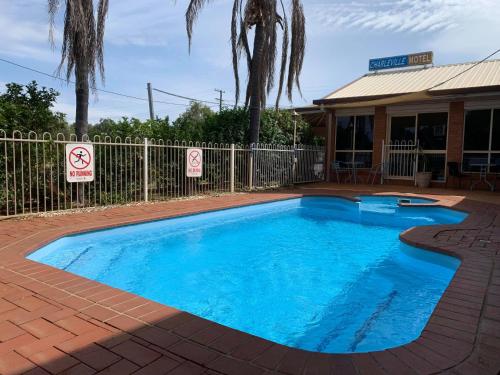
(317, 273)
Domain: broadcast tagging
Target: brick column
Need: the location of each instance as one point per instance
(330, 141)
(379, 134)
(455, 132)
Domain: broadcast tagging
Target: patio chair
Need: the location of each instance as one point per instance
(375, 171)
(455, 172)
(338, 169)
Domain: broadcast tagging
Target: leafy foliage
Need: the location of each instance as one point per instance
(30, 108)
(190, 125)
(133, 128)
(228, 126)
(200, 124)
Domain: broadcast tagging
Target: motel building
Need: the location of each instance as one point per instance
(407, 118)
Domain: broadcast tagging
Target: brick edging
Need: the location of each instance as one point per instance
(451, 339)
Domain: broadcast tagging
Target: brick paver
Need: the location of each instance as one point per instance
(53, 322)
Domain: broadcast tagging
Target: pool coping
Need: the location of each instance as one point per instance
(461, 334)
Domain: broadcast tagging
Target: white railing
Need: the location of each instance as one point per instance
(400, 160)
(33, 171)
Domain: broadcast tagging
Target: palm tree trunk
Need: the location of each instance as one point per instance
(82, 113)
(255, 84)
(82, 98)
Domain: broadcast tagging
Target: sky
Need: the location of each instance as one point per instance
(145, 41)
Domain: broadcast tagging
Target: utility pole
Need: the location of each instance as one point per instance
(150, 100)
(220, 98)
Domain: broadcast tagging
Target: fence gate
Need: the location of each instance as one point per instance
(400, 160)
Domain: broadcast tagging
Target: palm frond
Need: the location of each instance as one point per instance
(234, 49)
(284, 53)
(263, 15)
(192, 12)
(298, 47)
(83, 37)
(101, 21)
(53, 7)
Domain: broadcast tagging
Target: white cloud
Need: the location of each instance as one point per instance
(410, 16)
(476, 31)
(21, 36)
(146, 23)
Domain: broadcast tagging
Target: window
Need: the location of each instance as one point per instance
(482, 140)
(430, 130)
(477, 130)
(403, 129)
(354, 139)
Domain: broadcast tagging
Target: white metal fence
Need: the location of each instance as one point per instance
(400, 159)
(33, 171)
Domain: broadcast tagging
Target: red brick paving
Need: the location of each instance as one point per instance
(53, 322)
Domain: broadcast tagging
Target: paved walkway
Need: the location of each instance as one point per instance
(54, 322)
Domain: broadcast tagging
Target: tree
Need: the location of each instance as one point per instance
(227, 126)
(82, 50)
(133, 128)
(278, 128)
(265, 18)
(189, 125)
(30, 108)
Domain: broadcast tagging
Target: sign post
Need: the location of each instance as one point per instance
(79, 162)
(194, 162)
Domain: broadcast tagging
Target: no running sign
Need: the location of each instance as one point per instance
(194, 162)
(79, 162)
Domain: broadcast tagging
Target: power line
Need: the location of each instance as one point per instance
(466, 70)
(185, 97)
(92, 87)
(115, 92)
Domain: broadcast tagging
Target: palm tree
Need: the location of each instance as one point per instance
(82, 50)
(265, 17)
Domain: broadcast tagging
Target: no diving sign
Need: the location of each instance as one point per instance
(79, 162)
(194, 162)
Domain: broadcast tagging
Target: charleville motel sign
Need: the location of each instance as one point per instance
(422, 58)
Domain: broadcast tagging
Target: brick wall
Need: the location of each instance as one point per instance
(379, 134)
(455, 131)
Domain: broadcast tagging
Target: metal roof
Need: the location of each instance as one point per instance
(484, 74)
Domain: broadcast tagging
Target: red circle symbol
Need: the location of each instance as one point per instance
(194, 159)
(79, 157)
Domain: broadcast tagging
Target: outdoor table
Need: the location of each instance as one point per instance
(483, 169)
(354, 165)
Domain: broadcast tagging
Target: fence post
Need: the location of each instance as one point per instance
(146, 170)
(415, 170)
(382, 164)
(250, 168)
(231, 160)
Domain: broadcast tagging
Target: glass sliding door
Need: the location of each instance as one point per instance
(432, 130)
(429, 131)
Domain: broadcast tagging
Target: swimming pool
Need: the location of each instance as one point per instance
(318, 273)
